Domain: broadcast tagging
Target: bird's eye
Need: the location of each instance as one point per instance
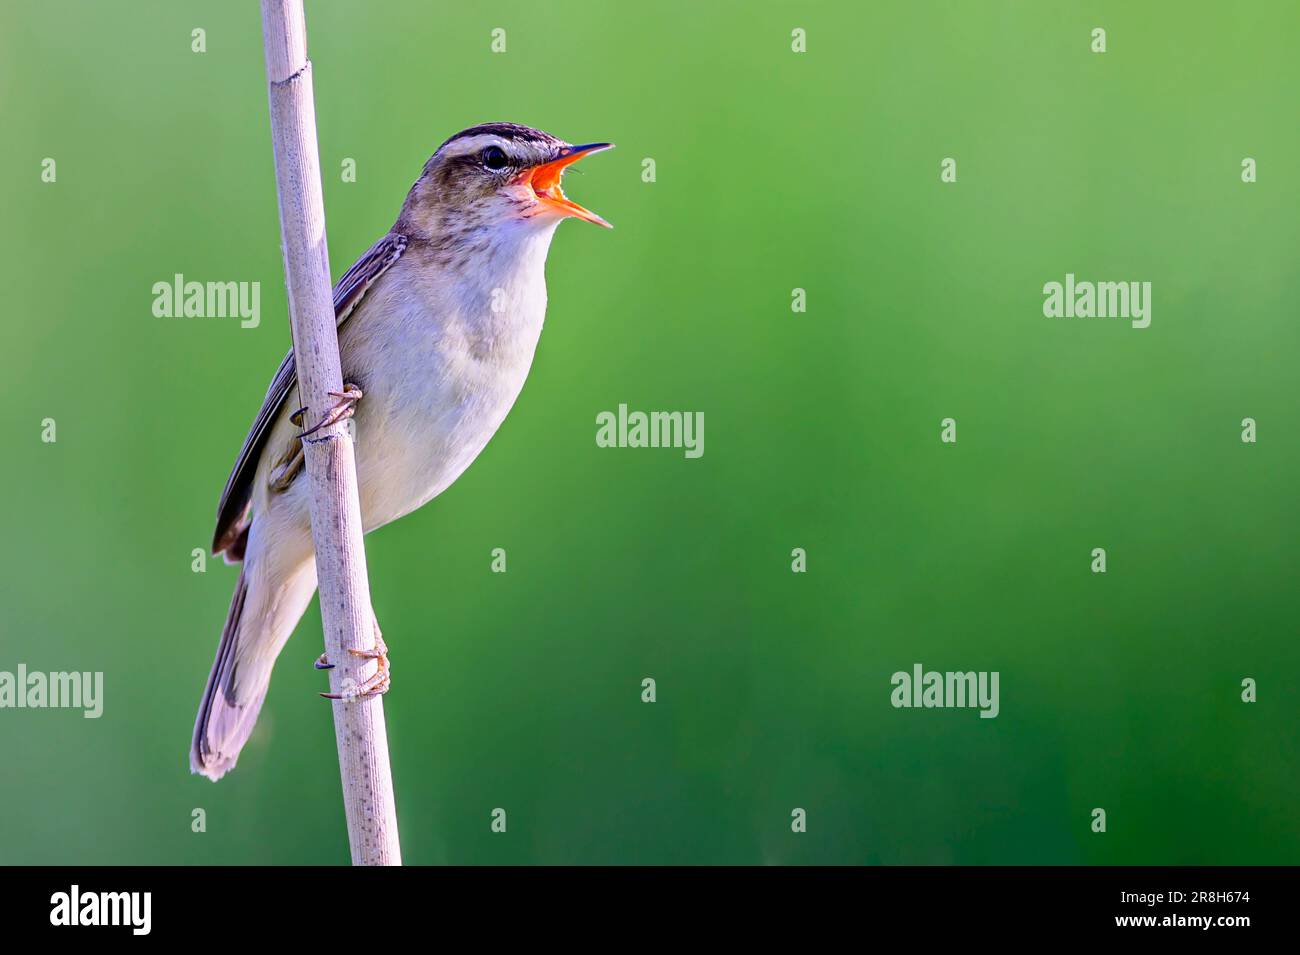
(494, 158)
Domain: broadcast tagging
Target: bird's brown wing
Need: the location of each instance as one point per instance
(232, 511)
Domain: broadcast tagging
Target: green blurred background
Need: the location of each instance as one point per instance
(775, 170)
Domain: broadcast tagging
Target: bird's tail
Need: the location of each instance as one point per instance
(263, 612)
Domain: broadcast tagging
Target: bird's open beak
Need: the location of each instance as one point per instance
(545, 180)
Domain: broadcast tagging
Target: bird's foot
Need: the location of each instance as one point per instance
(286, 469)
(341, 410)
(376, 684)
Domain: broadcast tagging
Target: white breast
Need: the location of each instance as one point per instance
(441, 359)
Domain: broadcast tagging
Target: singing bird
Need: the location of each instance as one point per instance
(437, 326)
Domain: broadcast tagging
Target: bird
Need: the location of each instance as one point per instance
(438, 323)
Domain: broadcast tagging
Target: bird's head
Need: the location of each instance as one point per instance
(497, 175)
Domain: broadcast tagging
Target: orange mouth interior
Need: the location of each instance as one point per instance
(545, 182)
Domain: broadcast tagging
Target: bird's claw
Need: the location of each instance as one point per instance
(377, 684)
(287, 468)
(341, 410)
